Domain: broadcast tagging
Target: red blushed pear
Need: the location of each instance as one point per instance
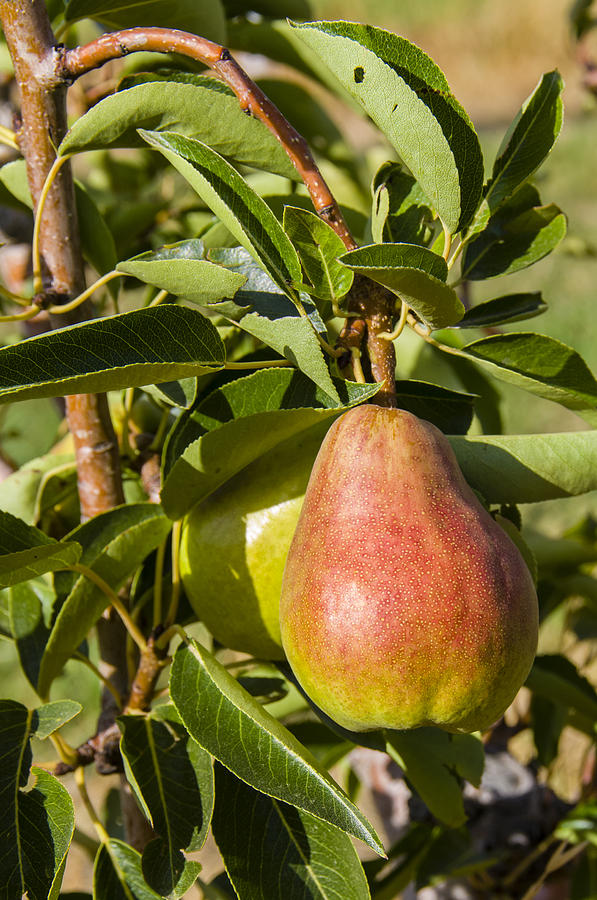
(403, 602)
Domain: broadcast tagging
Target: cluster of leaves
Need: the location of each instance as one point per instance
(251, 275)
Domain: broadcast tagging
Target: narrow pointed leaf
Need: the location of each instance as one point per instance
(451, 411)
(26, 551)
(271, 849)
(36, 826)
(231, 725)
(413, 273)
(145, 346)
(117, 874)
(173, 780)
(509, 308)
(407, 96)
(528, 468)
(171, 875)
(248, 418)
(541, 365)
(206, 19)
(238, 206)
(318, 247)
(528, 141)
(205, 109)
(510, 243)
(115, 544)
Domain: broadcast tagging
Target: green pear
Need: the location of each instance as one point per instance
(234, 546)
(403, 603)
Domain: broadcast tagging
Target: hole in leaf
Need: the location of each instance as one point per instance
(359, 74)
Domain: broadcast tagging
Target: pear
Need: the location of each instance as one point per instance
(403, 603)
(234, 546)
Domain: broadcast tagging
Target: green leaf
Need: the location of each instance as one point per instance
(50, 717)
(19, 492)
(413, 273)
(509, 308)
(36, 827)
(168, 875)
(547, 721)
(409, 99)
(555, 678)
(117, 874)
(318, 247)
(29, 605)
(271, 849)
(432, 761)
(527, 468)
(252, 415)
(114, 544)
(176, 270)
(239, 207)
(528, 140)
(26, 551)
(224, 719)
(265, 312)
(207, 19)
(540, 365)
(198, 107)
(173, 780)
(162, 343)
(400, 211)
(517, 236)
(97, 241)
(299, 9)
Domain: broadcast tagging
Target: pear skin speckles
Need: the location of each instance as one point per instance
(403, 602)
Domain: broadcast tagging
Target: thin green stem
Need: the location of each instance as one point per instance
(80, 657)
(66, 753)
(101, 832)
(21, 317)
(159, 435)
(60, 309)
(167, 635)
(266, 364)
(159, 298)
(8, 137)
(359, 375)
(5, 294)
(392, 335)
(176, 582)
(115, 600)
(54, 169)
(456, 254)
(447, 243)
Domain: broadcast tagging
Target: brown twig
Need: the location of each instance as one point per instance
(80, 60)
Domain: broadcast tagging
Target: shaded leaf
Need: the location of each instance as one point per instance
(400, 211)
(540, 365)
(243, 420)
(509, 308)
(242, 735)
(36, 826)
(241, 209)
(26, 551)
(162, 343)
(413, 273)
(409, 99)
(114, 543)
(19, 491)
(557, 679)
(173, 780)
(198, 107)
(117, 874)
(451, 411)
(514, 239)
(271, 849)
(29, 605)
(205, 19)
(432, 761)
